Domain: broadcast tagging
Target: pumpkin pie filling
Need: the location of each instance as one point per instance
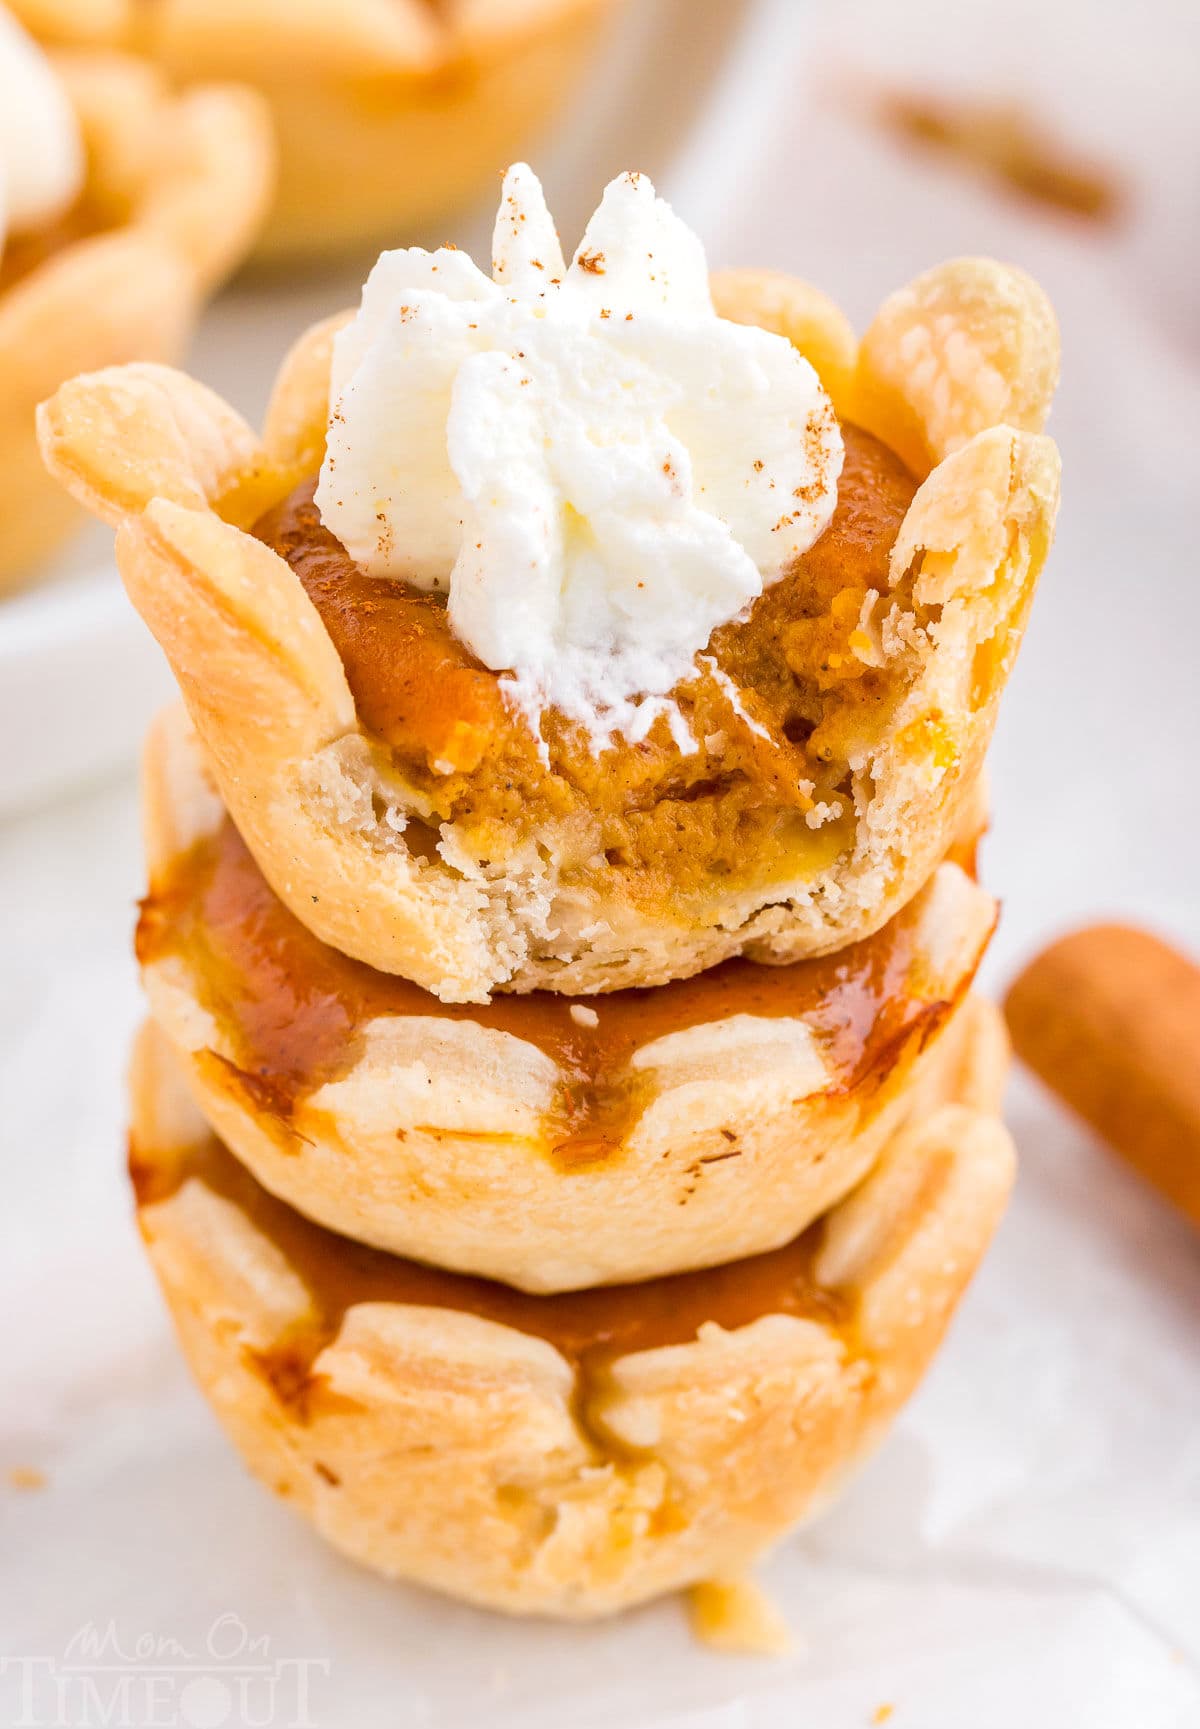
(294, 1009)
(779, 703)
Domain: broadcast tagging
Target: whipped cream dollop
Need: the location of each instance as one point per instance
(596, 468)
(41, 151)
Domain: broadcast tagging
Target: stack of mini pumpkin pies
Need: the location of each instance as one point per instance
(555, 1222)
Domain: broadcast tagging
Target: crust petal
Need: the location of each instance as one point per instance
(810, 320)
(117, 439)
(262, 679)
(968, 345)
(974, 540)
(298, 414)
(923, 1216)
(985, 513)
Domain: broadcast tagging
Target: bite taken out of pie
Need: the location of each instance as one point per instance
(565, 630)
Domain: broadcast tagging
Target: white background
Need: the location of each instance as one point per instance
(1026, 1547)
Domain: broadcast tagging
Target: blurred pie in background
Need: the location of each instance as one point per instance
(121, 207)
(388, 112)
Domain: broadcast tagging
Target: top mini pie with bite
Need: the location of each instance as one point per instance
(559, 633)
(125, 206)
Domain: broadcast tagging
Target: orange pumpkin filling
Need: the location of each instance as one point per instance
(777, 707)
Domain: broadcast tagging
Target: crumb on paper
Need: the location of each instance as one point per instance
(583, 1016)
(737, 1616)
(882, 1713)
(26, 1477)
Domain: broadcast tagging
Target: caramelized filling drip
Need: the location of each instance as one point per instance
(778, 703)
(294, 1008)
(589, 1328)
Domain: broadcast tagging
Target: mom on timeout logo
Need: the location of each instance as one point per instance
(109, 1679)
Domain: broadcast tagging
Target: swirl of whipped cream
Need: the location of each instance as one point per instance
(597, 468)
(41, 151)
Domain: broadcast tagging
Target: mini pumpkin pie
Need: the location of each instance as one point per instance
(568, 1455)
(559, 633)
(126, 206)
(388, 112)
(549, 1143)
